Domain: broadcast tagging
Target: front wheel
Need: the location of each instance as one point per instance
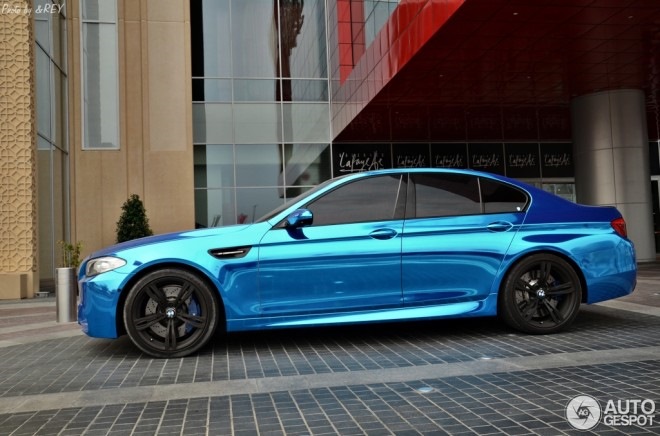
(541, 294)
(170, 313)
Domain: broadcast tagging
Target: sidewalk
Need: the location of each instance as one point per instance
(33, 320)
(470, 376)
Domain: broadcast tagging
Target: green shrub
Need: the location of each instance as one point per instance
(70, 254)
(133, 222)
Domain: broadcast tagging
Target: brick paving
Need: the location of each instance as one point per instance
(447, 377)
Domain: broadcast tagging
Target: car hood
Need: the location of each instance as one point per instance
(169, 237)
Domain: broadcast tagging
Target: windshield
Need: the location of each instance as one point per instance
(276, 211)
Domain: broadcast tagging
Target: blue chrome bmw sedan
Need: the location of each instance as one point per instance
(369, 247)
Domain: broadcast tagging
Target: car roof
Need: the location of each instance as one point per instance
(465, 171)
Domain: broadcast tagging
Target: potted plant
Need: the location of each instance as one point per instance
(133, 222)
(66, 286)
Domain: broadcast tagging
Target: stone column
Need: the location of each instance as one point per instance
(18, 181)
(610, 150)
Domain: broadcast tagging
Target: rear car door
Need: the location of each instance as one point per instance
(457, 231)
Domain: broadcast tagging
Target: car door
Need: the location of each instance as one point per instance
(458, 228)
(349, 259)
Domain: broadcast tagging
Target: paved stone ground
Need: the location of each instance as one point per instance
(445, 377)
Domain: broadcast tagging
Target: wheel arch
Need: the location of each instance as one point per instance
(121, 328)
(560, 254)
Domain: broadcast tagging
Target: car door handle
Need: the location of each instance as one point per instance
(383, 234)
(499, 226)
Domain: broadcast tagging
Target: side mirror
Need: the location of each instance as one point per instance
(299, 218)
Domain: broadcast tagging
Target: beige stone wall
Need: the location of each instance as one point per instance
(18, 186)
(155, 159)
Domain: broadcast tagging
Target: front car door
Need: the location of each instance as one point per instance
(457, 231)
(348, 260)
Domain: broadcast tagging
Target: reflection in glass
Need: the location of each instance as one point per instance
(564, 190)
(253, 203)
(254, 39)
(377, 13)
(58, 23)
(346, 204)
(59, 108)
(43, 93)
(41, 26)
(100, 90)
(46, 221)
(214, 166)
(289, 25)
(52, 146)
(306, 164)
(212, 123)
(307, 90)
(302, 28)
(258, 165)
(262, 134)
(100, 10)
(216, 39)
(306, 122)
(214, 207)
(255, 90)
(212, 90)
(256, 123)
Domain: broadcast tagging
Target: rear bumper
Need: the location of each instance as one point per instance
(616, 274)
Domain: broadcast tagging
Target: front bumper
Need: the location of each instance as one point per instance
(99, 300)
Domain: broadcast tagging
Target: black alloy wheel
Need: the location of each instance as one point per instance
(170, 313)
(541, 294)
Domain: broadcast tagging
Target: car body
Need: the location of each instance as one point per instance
(367, 247)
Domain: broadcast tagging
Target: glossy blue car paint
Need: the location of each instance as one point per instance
(268, 275)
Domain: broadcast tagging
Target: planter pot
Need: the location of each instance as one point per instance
(66, 291)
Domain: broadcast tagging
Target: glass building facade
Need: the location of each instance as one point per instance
(261, 111)
(52, 133)
(263, 80)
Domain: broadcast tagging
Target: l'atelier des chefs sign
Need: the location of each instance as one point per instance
(522, 160)
(486, 157)
(557, 160)
(517, 160)
(355, 158)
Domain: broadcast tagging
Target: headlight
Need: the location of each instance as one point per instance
(103, 264)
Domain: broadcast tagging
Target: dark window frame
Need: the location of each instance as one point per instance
(411, 207)
(398, 210)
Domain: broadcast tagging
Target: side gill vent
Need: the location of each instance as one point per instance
(229, 253)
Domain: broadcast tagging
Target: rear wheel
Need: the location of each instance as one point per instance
(170, 313)
(541, 294)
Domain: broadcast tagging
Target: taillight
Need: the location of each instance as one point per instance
(619, 226)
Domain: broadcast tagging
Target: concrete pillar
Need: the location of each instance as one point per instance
(610, 151)
(18, 181)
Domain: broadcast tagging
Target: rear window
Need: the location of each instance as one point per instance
(499, 197)
(438, 195)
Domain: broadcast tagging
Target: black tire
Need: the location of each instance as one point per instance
(541, 294)
(171, 313)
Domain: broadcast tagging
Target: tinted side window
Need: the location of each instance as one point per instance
(445, 195)
(499, 197)
(372, 199)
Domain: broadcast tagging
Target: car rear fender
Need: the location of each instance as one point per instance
(511, 263)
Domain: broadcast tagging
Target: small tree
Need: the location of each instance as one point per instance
(70, 254)
(133, 222)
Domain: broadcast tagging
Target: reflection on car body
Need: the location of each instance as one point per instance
(367, 247)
